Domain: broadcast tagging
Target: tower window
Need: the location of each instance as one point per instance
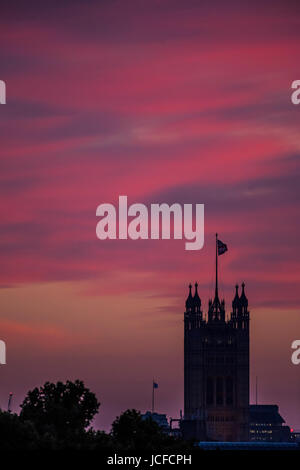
(210, 391)
(219, 391)
(229, 391)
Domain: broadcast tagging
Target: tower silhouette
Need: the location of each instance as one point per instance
(216, 368)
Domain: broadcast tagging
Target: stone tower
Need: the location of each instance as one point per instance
(216, 367)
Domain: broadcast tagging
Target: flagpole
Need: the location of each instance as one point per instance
(152, 396)
(256, 390)
(216, 265)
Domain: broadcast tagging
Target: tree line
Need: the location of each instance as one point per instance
(58, 416)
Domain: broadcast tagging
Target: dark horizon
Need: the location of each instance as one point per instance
(171, 102)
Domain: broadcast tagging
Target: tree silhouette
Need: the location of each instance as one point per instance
(130, 431)
(16, 434)
(61, 410)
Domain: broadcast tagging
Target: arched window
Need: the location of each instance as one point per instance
(229, 391)
(210, 391)
(219, 391)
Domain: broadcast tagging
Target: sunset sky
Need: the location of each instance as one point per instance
(162, 101)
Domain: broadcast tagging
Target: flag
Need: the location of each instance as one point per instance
(155, 385)
(222, 247)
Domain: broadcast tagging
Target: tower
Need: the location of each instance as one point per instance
(216, 367)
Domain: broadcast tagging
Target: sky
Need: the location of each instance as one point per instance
(162, 101)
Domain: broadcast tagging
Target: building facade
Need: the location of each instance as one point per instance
(266, 424)
(216, 369)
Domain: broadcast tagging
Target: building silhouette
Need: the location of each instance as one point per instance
(216, 367)
(266, 424)
(158, 418)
